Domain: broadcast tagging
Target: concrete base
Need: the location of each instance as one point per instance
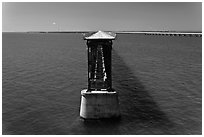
(99, 104)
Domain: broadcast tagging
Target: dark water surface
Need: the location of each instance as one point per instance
(158, 79)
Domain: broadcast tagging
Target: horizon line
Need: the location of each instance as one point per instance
(200, 31)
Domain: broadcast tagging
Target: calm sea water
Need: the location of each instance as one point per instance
(159, 80)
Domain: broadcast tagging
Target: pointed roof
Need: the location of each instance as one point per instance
(101, 35)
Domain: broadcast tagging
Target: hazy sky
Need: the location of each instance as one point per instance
(101, 16)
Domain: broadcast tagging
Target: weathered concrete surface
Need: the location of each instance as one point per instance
(99, 104)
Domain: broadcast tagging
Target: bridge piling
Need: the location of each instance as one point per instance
(99, 100)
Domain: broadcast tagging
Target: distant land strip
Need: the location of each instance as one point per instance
(167, 33)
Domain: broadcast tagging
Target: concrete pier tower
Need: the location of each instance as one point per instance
(99, 100)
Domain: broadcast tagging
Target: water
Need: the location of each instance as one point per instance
(158, 79)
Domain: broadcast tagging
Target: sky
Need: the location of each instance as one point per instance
(115, 16)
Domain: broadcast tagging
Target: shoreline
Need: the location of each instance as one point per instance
(163, 33)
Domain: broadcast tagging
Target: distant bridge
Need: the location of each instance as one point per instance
(190, 34)
(174, 34)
